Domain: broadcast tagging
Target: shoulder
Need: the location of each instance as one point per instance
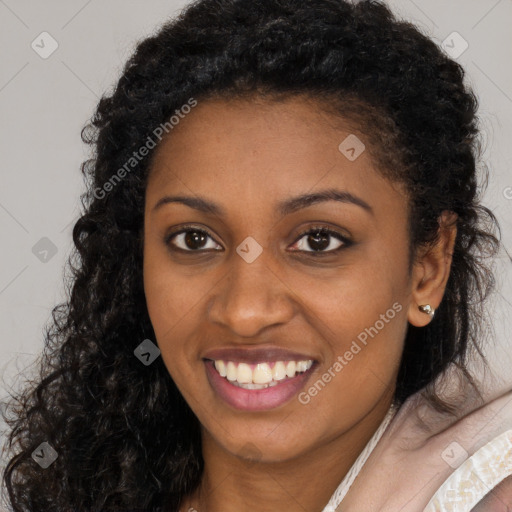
(426, 459)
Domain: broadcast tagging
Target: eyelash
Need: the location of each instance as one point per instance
(312, 230)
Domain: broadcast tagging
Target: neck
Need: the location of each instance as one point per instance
(230, 483)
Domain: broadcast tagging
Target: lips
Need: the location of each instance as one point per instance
(257, 379)
(255, 355)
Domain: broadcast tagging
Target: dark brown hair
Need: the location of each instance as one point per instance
(125, 438)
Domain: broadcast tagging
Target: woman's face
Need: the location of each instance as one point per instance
(306, 330)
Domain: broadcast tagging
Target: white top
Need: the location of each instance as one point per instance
(472, 479)
(345, 484)
(475, 478)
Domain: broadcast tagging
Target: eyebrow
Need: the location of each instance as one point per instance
(283, 208)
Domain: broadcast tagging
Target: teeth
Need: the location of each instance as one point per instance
(302, 366)
(279, 371)
(244, 374)
(291, 367)
(230, 371)
(263, 375)
(221, 368)
(255, 386)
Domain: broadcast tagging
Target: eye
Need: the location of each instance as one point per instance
(322, 240)
(191, 239)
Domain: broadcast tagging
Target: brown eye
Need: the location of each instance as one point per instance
(192, 240)
(321, 240)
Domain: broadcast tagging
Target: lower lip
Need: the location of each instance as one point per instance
(255, 399)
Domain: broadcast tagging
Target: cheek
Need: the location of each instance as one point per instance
(176, 307)
(170, 307)
(361, 313)
(355, 296)
(365, 333)
(168, 297)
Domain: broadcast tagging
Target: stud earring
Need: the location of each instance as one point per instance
(428, 309)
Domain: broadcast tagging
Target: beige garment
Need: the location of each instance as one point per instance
(476, 477)
(426, 457)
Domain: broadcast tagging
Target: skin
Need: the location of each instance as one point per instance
(247, 156)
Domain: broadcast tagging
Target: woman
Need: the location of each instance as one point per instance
(280, 265)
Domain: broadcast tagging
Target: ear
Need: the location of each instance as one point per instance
(431, 270)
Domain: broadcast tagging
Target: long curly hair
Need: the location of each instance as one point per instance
(125, 437)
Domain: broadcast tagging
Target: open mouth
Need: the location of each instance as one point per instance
(258, 386)
(260, 375)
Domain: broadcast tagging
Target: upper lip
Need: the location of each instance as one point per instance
(255, 355)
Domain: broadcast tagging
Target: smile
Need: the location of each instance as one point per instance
(257, 386)
(260, 375)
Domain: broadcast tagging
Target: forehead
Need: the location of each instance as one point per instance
(261, 150)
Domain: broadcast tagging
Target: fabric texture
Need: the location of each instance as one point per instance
(476, 477)
(426, 461)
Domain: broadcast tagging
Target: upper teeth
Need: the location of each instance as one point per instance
(263, 373)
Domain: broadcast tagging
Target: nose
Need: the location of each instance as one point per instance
(252, 297)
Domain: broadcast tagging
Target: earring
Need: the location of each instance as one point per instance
(428, 309)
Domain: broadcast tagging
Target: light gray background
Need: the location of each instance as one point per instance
(44, 103)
